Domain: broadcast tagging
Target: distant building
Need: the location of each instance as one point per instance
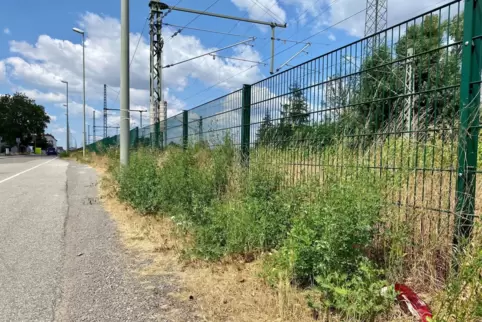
(51, 140)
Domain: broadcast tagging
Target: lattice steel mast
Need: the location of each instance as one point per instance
(105, 111)
(156, 111)
(375, 20)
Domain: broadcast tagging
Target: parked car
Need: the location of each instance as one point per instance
(51, 151)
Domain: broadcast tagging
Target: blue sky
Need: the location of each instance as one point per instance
(38, 49)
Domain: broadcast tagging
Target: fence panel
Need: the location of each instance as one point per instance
(388, 103)
(216, 120)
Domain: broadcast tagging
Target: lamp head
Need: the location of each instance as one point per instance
(77, 30)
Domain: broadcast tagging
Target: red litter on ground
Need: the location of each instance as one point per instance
(412, 304)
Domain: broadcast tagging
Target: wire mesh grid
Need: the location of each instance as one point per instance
(392, 108)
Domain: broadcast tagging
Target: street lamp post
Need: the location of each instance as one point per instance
(124, 82)
(67, 115)
(80, 31)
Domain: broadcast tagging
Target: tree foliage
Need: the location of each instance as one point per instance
(295, 112)
(411, 84)
(21, 117)
(265, 131)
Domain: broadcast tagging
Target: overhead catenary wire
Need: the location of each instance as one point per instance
(211, 52)
(170, 10)
(135, 50)
(239, 35)
(234, 26)
(138, 41)
(193, 19)
(299, 17)
(314, 17)
(240, 59)
(268, 10)
(266, 59)
(293, 57)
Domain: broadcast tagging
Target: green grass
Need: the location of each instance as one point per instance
(319, 233)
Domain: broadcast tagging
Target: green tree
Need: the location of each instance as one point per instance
(295, 112)
(434, 67)
(380, 85)
(265, 130)
(417, 83)
(21, 117)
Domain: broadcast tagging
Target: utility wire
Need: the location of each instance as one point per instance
(239, 35)
(112, 89)
(135, 51)
(209, 53)
(206, 30)
(138, 41)
(170, 10)
(315, 17)
(193, 19)
(268, 11)
(243, 71)
(240, 59)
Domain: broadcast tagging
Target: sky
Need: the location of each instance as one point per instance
(38, 49)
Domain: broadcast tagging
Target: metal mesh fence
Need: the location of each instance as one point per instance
(393, 108)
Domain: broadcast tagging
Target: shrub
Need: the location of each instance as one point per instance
(327, 243)
(331, 232)
(255, 219)
(245, 226)
(358, 295)
(139, 182)
(319, 231)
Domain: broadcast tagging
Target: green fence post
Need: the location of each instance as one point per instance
(136, 137)
(200, 130)
(469, 122)
(185, 129)
(157, 134)
(161, 140)
(245, 124)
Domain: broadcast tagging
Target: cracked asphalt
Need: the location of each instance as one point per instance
(60, 259)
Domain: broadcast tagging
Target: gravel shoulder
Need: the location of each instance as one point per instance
(101, 282)
(61, 257)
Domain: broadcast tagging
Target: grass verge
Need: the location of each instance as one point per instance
(323, 249)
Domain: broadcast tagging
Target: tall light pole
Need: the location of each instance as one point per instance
(124, 80)
(67, 114)
(80, 31)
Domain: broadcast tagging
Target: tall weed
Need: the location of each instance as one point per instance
(462, 298)
(327, 248)
(139, 183)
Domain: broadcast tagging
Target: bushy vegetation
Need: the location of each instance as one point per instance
(318, 234)
(462, 299)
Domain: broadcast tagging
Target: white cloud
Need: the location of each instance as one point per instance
(42, 97)
(308, 8)
(55, 128)
(398, 11)
(332, 37)
(265, 10)
(6, 31)
(76, 109)
(59, 130)
(44, 64)
(324, 13)
(53, 118)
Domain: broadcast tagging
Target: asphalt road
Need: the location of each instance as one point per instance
(59, 254)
